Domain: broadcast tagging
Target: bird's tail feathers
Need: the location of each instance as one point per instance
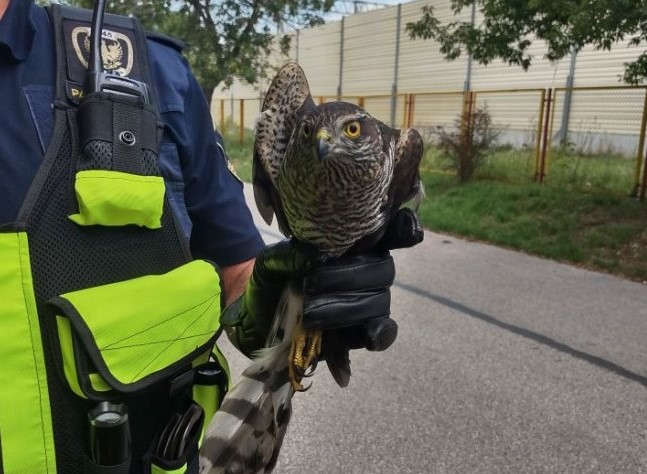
(248, 428)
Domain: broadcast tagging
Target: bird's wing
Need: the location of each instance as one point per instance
(405, 184)
(285, 101)
(407, 149)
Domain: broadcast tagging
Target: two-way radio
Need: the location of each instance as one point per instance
(98, 80)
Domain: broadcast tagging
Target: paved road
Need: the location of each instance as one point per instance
(504, 363)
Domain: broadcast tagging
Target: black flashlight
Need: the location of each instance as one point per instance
(109, 434)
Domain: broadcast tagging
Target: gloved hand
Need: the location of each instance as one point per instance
(350, 298)
(247, 321)
(350, 295)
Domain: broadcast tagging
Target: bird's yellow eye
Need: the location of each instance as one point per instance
(352, 129)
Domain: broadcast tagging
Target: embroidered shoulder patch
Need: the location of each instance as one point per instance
(230, 165)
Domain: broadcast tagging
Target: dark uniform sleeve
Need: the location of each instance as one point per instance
(223, 229)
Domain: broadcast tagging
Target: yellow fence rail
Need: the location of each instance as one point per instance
(592, 120)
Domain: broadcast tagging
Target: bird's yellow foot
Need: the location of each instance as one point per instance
(306, 347)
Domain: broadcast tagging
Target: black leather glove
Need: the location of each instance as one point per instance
(350, 295)
(350, 298)
(247, 321)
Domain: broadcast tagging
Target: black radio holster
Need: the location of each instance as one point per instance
(119, 126)
(120, 133)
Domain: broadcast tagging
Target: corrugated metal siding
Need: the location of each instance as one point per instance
(514, 114)
(369, 52)
(422, 67)
(437, 110)
(616, 111)
(606, 121)
(603, 68)
(542, 73)
(319, 57)
(227, 110)
(238, 90)
(369, 41)
(379, 107)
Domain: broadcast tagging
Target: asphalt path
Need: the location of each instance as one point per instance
(504, 363)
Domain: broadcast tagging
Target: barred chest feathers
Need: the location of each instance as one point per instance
(333, 198)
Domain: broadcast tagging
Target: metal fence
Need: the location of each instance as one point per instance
(565, 129)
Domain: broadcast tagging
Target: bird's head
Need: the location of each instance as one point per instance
(339, 131)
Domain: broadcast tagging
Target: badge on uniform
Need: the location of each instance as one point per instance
(117, 52)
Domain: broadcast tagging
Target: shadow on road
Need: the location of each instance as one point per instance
(539, 338)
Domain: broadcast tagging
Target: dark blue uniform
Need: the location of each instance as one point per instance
(204, 194)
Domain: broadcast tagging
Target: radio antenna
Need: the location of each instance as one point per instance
(95, 64)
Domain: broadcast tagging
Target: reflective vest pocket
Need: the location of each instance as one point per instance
(125, 337)
(113, 198)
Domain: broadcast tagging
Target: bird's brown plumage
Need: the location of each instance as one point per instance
(333, 176)
(330, 201)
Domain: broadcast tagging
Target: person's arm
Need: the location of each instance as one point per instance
(234, 280)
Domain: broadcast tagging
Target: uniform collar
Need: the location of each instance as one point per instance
(17, 30)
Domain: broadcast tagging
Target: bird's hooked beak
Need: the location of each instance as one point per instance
(323, 143)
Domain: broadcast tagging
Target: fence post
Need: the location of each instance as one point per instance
(406, 110)
(540, 128)
(241, 130)
(641, 147)
(409, 110)
(544, 145)
(361, 101)
(643, 186)
(468, 111)
(222, 116)
(341, 59)
(568, 97)
(412, 110)
(396, 66)
(232, 108)
(549, 146)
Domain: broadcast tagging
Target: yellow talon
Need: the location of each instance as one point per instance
(314, 348)
(306, 347)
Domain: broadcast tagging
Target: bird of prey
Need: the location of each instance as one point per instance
(333, 176)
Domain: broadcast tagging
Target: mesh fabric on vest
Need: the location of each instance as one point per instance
(68, 257)
(101, 151)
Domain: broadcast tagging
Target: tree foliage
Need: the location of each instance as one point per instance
(508, 28)
(224, 38)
